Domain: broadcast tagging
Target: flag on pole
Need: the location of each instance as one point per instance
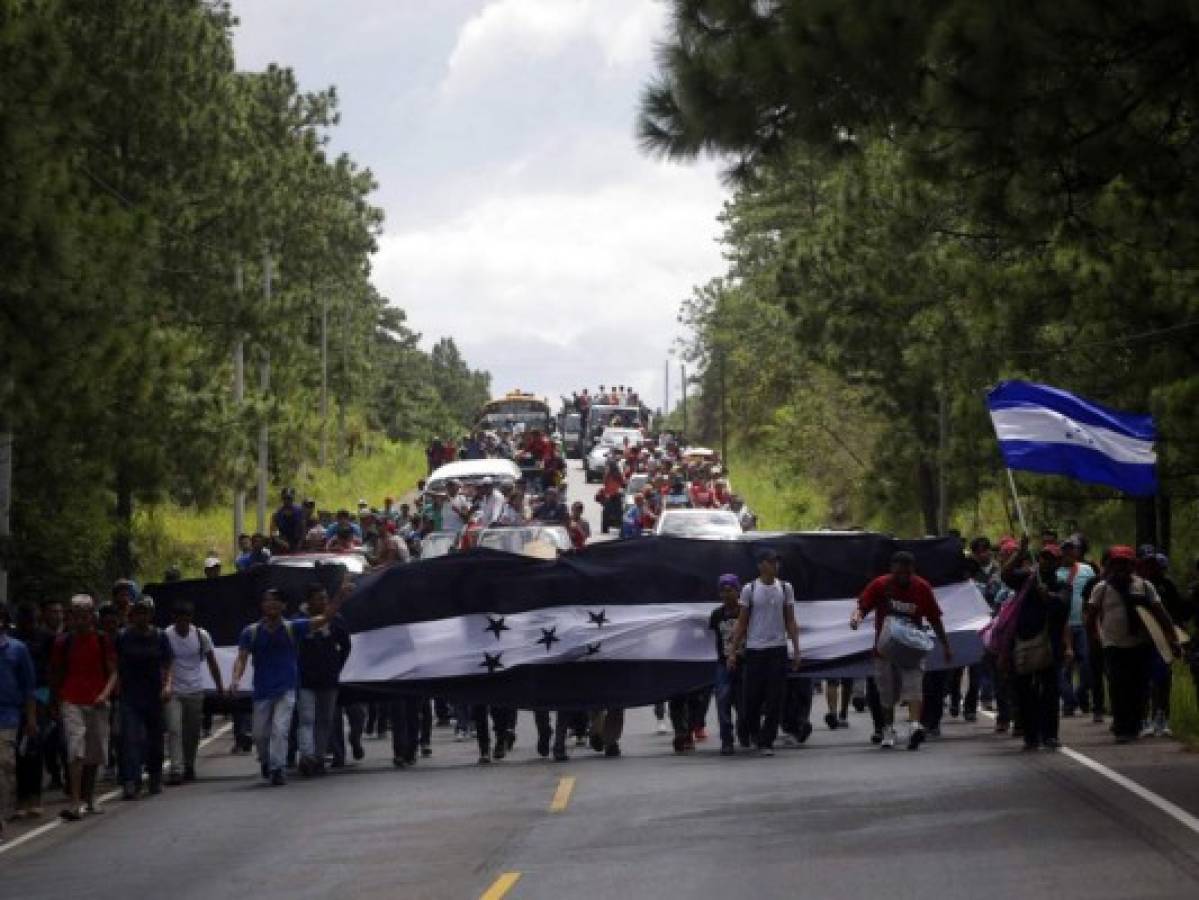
(1045, 429)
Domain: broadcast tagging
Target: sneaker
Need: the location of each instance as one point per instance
(888, 740)
(727, 749)
(805, 731)
(661, 729)
(1147, 729)
(277, 778)
(700, 734)
(876, 737)
(916, 738)
(612, 750)
(765, 751)
(830, 720)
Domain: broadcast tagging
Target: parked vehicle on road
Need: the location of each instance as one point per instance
(711, 524)
(610, 439)
(571, 431)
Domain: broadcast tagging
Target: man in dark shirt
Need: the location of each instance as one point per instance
(322, 654)
(728, 680)
(289, 521)
(144, 665)
(552, 511)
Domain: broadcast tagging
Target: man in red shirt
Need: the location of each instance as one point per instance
(902, 594)
(83, 676)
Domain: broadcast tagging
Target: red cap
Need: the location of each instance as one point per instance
(1122, 551)
(1008, 545)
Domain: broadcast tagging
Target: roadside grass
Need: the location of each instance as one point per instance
(781, 502)
(1184, 707)
(167, 534)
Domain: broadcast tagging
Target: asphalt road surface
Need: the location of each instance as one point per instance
(968, 816)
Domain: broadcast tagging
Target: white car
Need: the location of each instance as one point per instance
(473, 471)
(353, 560)
(712, 524)
(611, 439)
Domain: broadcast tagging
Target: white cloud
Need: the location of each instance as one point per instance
(537, 285)
(505, 32)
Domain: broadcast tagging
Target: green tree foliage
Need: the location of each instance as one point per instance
(934, 196)
(144, 178)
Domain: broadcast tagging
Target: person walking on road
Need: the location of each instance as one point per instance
(722, 622)
(1042, 645)
(766, 621)
(18, 712)
(192, 650)
(909, 598)
(1115, 606)
(322, 654)
(272, 642)
(83, 676)
(145, 672)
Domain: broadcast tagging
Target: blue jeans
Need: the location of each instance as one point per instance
(272, 723)
(1072, 698)
(141, 741)
(317, 709)
(728, 694)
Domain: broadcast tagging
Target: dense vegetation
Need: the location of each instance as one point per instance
(929, 197)
(150, 192)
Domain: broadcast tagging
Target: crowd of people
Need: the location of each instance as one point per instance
(93, 693)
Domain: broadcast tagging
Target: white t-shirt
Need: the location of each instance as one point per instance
(766, 602)
(454, 513)
(190, 654)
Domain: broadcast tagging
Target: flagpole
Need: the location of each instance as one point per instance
(1011, 480)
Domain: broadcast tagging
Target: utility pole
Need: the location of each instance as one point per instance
(683, 379)
(239, 396)
(724, 435)
(343, 451)
(942, 454)
(666, 390)
(265, 384)
(324, 377)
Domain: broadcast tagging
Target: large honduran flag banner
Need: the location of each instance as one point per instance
(619, 624)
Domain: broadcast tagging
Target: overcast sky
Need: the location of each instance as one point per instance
(521, 217)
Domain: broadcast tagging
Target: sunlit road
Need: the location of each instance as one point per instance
(967, 817)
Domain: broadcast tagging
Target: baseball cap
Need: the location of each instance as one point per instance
(1122, 551)
(730, 581)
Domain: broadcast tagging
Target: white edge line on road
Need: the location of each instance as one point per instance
(111, 795)
(1173, 810)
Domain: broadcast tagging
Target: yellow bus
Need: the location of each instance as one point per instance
(515, 411)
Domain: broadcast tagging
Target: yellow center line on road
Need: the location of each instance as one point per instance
(566, 784)
(500, 887)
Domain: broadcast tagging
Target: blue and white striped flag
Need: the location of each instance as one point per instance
(1048, 430)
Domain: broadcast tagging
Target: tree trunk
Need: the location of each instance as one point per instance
(926, 484)
(1146, 529)
(122, 541)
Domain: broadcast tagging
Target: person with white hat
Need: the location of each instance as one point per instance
(212, 566)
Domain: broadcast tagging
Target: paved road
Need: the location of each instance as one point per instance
(967, 816)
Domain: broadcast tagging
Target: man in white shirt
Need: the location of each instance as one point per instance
(491, 503)
(766, 622)
(455, 508)
(191, 649)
